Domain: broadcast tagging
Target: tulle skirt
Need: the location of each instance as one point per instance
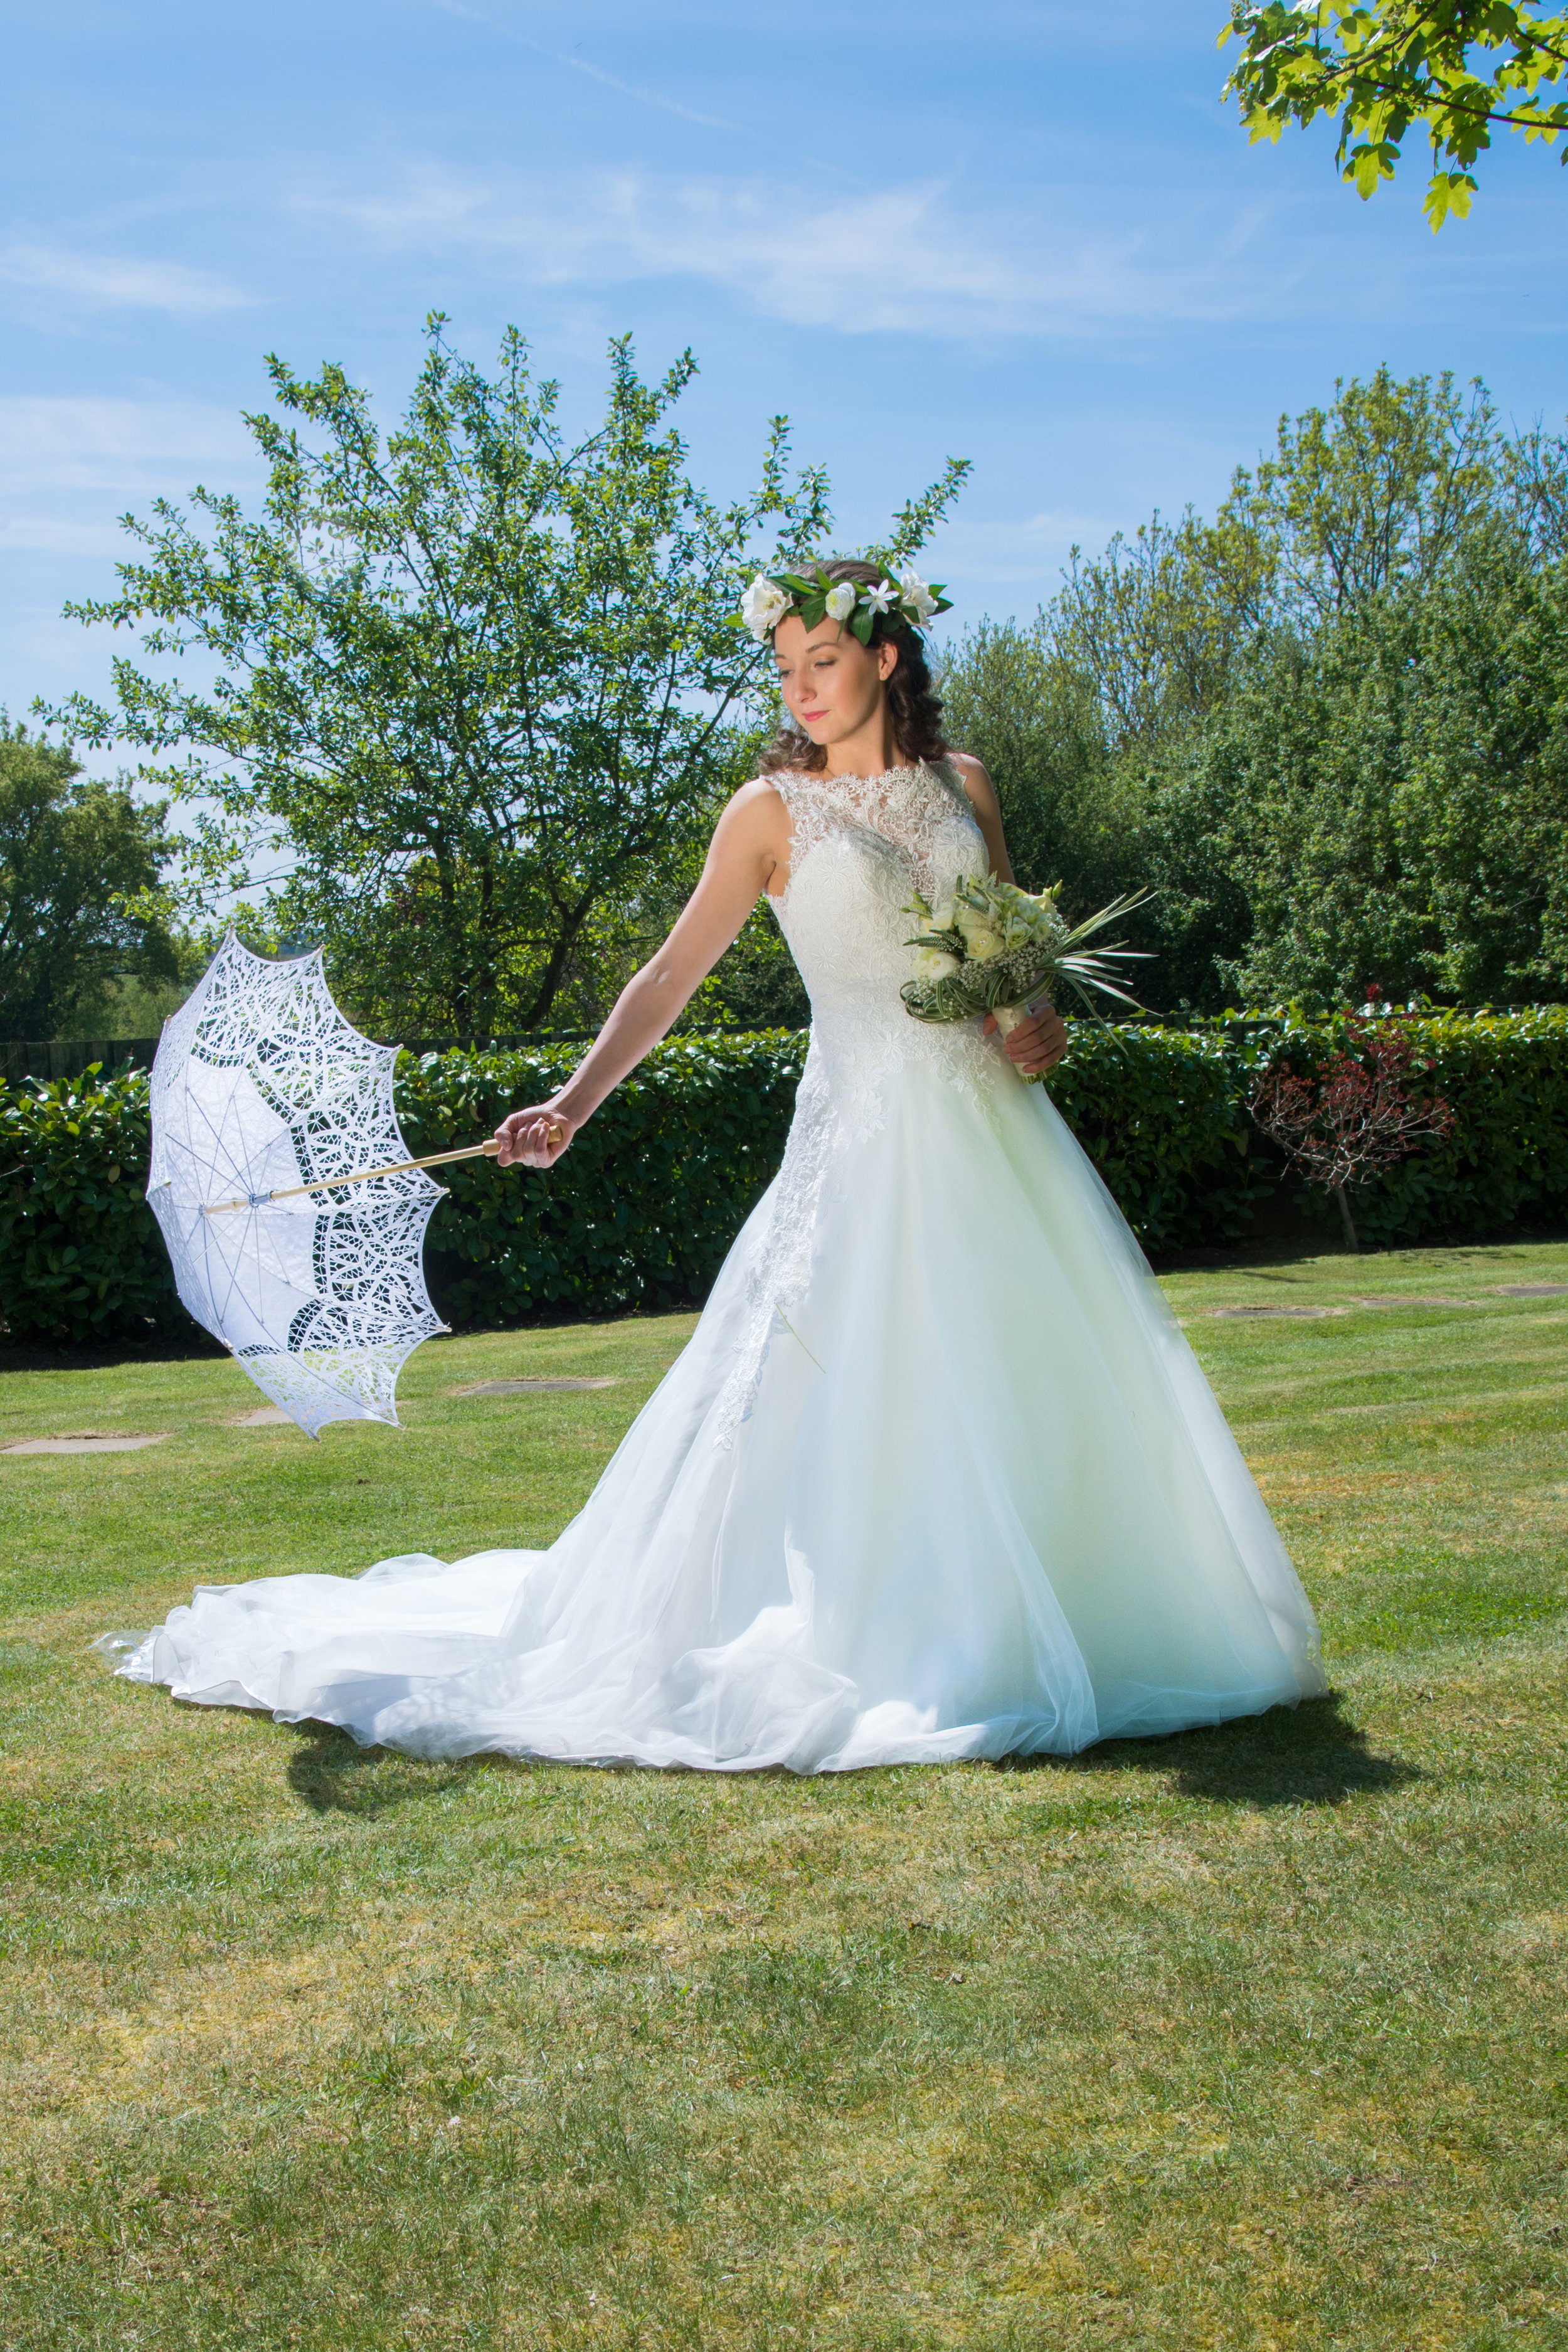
(983, 1503)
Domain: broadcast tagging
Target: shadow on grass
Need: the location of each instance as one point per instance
(328, 1772)
(1302, 1240)
(1310, 1755)
(107, 1355)
(1307, 1755)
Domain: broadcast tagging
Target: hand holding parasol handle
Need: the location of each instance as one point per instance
(487, 1150)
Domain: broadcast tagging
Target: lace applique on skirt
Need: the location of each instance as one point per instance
(861, 847)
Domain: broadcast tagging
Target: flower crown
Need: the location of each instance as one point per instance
(908, 602)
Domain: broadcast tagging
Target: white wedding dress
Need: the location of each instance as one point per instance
(937, 1476)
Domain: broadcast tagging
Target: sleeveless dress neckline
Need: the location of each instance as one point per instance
(937, 1476)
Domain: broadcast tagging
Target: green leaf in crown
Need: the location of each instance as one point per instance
(908, 602)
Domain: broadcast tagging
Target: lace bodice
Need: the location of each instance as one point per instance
(861, 847)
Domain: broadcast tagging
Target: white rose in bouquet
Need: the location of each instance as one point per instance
(981, 941)
(840, 600)
(935, 963)
(1013, 950)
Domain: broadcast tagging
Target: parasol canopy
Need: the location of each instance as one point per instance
(293, 1215)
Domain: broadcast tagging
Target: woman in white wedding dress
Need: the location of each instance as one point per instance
(937, 1475)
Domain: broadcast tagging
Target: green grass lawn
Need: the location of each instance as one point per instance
(1253, 2037)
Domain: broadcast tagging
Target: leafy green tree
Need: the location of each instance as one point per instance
(1453, 68)
(1035, 718)
(1483, 807)
(1159, 621)
(1383, 486)
(479, 684)
(755, 986)
(1203, 707)
(81, 904)
(1387, 801)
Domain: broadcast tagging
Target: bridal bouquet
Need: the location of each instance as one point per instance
(992, 947)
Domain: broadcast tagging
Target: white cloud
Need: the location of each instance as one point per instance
(70, 443)
(46, 534)
(902, 258)
(118, 282)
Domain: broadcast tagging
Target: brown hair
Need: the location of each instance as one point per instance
(913, 698)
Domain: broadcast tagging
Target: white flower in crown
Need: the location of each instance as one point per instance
(915, 597)
(763, 606)
(882, 597)
(840, 600)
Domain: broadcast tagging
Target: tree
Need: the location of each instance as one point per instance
(1381, 486)
(1450, 68)
(482, 685)
(1035, 718)
(1159, 621)
(1390, 793)
(1354, 1114)
(81, 906)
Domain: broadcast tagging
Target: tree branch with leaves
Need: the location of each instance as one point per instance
(1454, 68)
(478, 686)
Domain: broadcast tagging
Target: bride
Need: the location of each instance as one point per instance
(937, 1475)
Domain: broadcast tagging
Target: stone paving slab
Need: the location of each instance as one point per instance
(1275, 1314)
(533, 1388)
(1410, 1298)
(87, 1442)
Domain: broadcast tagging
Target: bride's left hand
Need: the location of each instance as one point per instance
(1037, 1044)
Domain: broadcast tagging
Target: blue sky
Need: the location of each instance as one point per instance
(1028, 234)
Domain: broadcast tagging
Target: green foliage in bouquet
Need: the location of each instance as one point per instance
(992, 947)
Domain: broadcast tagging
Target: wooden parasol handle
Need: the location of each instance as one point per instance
(487, 1150)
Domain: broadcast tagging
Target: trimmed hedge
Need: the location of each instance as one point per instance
(1163, 1114)
(1505, 1076)
(642, 1209)
(644, 1206)
(81, 1258)
(639, 1215)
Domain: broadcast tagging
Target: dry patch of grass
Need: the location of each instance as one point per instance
(1249, 2038)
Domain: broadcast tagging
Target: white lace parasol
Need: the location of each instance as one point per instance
(262, 1097)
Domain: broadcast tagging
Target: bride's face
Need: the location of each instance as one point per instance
(831, 683)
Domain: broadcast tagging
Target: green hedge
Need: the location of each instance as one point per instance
(640, 1213)
(1163, 1114)
(1505, 1076)
(644, 1206)
(81, 1258)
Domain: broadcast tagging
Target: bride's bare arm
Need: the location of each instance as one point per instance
(1038, 1044)
(987, 810)
(750, 847)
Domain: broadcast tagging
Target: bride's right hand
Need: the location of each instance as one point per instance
(534, 1138)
